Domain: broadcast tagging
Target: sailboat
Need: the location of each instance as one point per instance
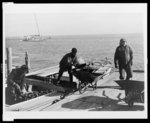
(37, 37)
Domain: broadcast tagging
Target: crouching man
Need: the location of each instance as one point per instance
(15, 84)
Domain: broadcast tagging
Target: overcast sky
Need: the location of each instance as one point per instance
(73, 19)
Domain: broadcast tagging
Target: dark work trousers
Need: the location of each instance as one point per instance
(125, 69)
(12, 93)
(62, 70)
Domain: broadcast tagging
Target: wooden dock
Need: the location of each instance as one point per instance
(104, 98)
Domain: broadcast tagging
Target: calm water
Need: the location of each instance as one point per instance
(48, 53)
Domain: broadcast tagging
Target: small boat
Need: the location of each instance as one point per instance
(36, 37)
(47, 78)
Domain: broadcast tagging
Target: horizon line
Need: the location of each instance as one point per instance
(81, 34)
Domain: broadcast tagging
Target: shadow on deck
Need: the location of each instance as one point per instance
(96, 103)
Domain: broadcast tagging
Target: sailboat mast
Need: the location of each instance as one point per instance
(37, 24)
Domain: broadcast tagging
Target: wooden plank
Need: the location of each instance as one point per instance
(48, 72)
(44, 85)
(51, 70)
(34, 103)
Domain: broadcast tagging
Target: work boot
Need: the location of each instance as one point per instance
(129, 78)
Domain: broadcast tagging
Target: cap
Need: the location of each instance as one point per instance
(24, 67)
(123, 40)
(74, 50)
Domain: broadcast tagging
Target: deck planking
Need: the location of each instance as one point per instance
(104, 98)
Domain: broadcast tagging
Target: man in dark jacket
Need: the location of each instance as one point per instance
(124, 58)
(66, 64)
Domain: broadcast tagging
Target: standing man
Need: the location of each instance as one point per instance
(66, 64)
(124, 58)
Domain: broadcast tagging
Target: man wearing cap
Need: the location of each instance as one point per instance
(124, 58)
(15, 82)
(66, 64)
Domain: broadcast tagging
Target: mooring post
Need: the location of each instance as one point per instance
(9, 60)
(27, 61)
